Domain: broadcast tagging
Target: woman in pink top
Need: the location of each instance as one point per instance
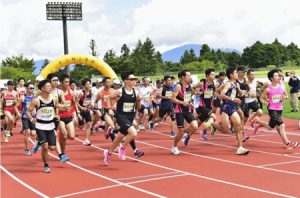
(273, 97)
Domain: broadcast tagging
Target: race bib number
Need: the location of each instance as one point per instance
(68, 103)
(47, 113)
(128, 107)
(146, 98)
(187, 97)
(169, 93)
(86, 103)
(28, 104)
(276, 99)
(105, 98)
(208, 93)
(233, 93)
(9, 103)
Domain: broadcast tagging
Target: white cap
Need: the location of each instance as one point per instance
(99, 80)
(39, 78)
(116, 81)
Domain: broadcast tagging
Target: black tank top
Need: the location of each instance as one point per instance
(127, 103)
(243, 87)
(185, 94)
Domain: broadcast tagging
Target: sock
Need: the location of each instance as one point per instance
(46, 165)
(132, 144)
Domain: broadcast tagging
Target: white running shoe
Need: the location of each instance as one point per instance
(86, 142)
(242, 151)
(175, 150)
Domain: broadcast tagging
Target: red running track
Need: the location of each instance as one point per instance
(204, 168)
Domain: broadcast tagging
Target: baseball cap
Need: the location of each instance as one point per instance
(39, 78)
(10, 82)
(116, 81)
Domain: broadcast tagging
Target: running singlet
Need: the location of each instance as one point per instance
(45, 115)
(252, 90)
(145, 93)
(85, 100)
(185, 94)
(105, 100)
(70, 104)
(207, 96)
(157, 91)
(275, 97)
(243, 87)
(26, 104)
(232, 93)
(9, 101)
(166, 91)
(127, 103)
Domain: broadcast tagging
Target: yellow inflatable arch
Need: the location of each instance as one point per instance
(68, 59)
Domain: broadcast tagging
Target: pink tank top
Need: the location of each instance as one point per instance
(275, 97)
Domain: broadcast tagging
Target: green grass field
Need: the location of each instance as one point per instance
(258, 74)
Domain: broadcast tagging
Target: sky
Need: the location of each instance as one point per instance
(168, 23)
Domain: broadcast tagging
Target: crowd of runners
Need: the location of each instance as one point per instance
(53, 109)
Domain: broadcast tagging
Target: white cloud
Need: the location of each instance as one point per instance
(169, 23)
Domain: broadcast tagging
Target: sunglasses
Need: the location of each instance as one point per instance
(31, 88)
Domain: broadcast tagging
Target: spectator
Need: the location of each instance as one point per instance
(294, 84)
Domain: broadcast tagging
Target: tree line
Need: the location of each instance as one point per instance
(144, 59)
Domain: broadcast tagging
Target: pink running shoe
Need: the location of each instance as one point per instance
(97, 125)
(122, 154)
(108, 132)
(106, 157)
(292, 145)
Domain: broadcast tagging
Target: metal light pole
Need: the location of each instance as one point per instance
(64, 11)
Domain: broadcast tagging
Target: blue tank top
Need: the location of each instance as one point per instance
(232, 93)
(26, 103)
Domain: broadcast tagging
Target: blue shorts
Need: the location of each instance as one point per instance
(229, 109)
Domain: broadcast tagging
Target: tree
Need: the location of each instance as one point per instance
(111, 59)
(188, 57)
(204, 49)
(125, 51)
(19, 62)
(93, 48)
(10, 72)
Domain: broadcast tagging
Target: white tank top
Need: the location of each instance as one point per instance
(45, 115)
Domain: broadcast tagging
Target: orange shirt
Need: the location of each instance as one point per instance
(105, 100)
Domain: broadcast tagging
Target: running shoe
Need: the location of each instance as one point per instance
(11, 134)
(86, 142)
(292, 145)
(231, 130)
(5, 139)
(173, 134)
(64, 159)
(138, 153)
(245, 137)
(36, 147)
(122, 153)
(106, 157)
(204, 134)
(242, 151)
(108, 132)
(186, 139)
(253, 122)
(27, 152)
(46, 169)
(142, 127)
(7, 133)
(175, 150)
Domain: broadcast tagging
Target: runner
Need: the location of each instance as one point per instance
(29, 128)
(156, 102)
(66, 125)
(146, 94)
(181, 97)
(229, 110)
(96, 112)
(273, 98)
(166, 105)
(85, 107)
(126, 109)
(10, 99)
(250, 100)
(44, 121)
(217, 100)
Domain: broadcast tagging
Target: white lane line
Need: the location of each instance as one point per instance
(108, 178)
(222, 145)
(279, 163)
(201, 176)
(117, 185)
(145, 176)
(219, 159)
(23, 183)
